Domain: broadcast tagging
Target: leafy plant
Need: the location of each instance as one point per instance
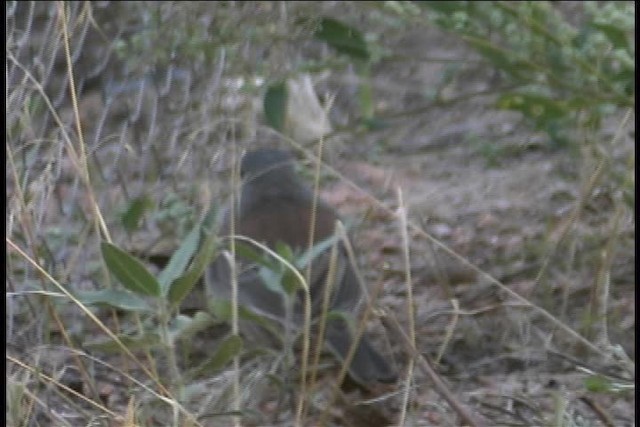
(148, 295)
(563, 76)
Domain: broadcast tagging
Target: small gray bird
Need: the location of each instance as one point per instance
(275, 206)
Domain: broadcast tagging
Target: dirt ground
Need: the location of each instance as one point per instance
(487, 199)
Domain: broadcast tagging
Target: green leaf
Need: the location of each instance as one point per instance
(290, 282)
(339, 315)
(180, 259)
(617, 36)
(248, 252)
(209, 221)
(284, 251)
(181, 286)
(272, 278)
(365, 91)
(316, 250)
(134, 212)
(446, 7)
(185, 327)
(597, 384)
(123, 300)
(129, 271)
(536, 106)
(278, 277)
(374, 123)
(143, 342)
(344, 39)
(226, 351)
(221, 310)
(275, 105)
(498, 56)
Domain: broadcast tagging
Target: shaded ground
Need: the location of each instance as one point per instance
(476, 179)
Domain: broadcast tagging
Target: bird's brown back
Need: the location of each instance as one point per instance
(287, 221)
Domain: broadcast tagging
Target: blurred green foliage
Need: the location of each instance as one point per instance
(566, 69)
(564, 74)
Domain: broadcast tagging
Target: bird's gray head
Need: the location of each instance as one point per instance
(269, 173)
(265, 161)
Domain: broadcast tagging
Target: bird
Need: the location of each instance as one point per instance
(274, 207)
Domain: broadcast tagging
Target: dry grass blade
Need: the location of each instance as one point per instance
(441, 387)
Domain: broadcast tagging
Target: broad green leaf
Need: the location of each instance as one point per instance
(134, 212)
(284, 251)
(272, 278)
(129, 271)
(275, 105)
(374, 123)
(181, 286)
(365, 91)
(316, 250)
(123, 300)
(537, 106)
(498, 56)
(290, 282)
(221, 310)
(279, 278)
(248, 252)
(179, 259)
(344, 39)
(209, 221)
(446, 7)
(341, 315)
(144, 342)
(185, 327)
(617, 36)
(226, 351)
(597, 384)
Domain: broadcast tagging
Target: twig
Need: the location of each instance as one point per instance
(599, 411)
(467, 417)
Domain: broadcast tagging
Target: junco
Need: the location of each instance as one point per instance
(275, 206)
